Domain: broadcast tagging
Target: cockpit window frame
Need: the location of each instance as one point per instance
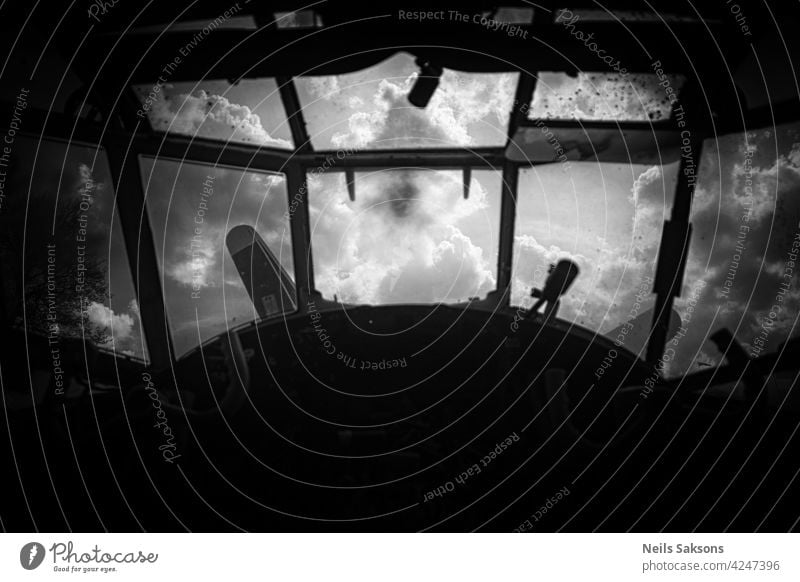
(125, 147)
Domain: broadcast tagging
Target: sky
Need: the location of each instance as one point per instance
(607, 218)
(762, 219)
(410, 236)
(249, 112)
(604, 217)
(192, 207)
(368, 109)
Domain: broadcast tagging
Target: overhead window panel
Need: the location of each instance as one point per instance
(249, 112)
(604, 96)
(370, 110)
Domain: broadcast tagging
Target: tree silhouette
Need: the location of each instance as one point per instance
(39, 249)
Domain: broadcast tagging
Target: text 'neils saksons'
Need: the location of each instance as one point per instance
(663, 548)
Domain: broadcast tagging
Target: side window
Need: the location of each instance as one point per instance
(65, 268)
(742, 270)
(223, 245)
(608, 219)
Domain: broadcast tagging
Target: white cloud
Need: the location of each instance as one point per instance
(647, 177)
(194, 269)
(361, 130)
(119, 325)
(740, 256)
(603, 293)
(395, 244)
(462, 108)
(209, 115)
(650, 209)
(324, 87)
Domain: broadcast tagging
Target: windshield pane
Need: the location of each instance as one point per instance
(369, 109)
(603, 96)
(745, 242)
(249, 112)
(72, 277)
(409, 236)
(203, 219)
(607, 218)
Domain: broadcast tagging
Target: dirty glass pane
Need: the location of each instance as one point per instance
(604, 96)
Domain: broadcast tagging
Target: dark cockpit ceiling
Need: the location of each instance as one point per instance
(127, 46)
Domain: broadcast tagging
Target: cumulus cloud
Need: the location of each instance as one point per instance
(404, 239)
(650, 208)
(371, 109)
(607, 221)
(639, 190)
(194, 251)
(323, 87)
(195, 268)
(119, 325)
(208, 115)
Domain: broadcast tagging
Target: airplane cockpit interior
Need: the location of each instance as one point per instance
(403, 266)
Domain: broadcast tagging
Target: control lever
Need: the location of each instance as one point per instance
(559, 279)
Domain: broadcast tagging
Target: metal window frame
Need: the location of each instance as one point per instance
(124, 148)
